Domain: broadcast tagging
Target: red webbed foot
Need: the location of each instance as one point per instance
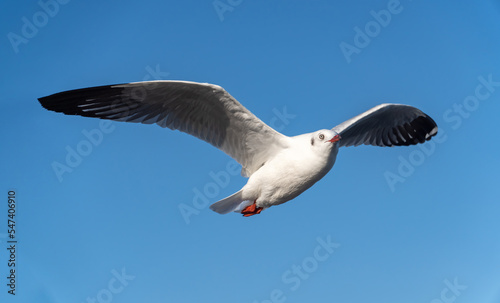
(251, 210)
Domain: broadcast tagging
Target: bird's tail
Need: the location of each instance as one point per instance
(228, 204)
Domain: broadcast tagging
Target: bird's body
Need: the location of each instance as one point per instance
(292, 171)
(279, 167)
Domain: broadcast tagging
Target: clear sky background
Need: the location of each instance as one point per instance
(407, 224)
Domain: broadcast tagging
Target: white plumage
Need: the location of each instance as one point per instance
(279, 167)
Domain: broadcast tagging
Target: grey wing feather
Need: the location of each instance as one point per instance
(203, 110)
(387, 125)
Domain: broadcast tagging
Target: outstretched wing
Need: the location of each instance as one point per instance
(203, 110)
(387, 125)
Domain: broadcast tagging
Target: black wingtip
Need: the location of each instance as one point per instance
(430, 126)
(43, 101)
(70, 102)
(421, 129)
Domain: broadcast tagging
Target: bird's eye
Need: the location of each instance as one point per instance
(321, 136)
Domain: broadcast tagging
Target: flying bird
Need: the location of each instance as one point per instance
(279, 167)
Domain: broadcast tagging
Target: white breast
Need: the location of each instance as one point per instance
(287, 175)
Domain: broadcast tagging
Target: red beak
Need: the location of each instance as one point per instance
(335, 139)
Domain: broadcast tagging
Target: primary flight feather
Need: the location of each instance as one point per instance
(279, 167)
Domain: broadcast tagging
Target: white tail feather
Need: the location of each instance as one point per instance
(228, 204)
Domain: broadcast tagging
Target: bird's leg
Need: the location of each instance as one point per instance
(251, 210)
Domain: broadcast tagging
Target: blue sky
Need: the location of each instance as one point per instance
(410, 224)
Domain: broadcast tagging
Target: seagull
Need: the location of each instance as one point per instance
(278, 167)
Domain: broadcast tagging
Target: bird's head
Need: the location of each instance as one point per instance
(324, 140)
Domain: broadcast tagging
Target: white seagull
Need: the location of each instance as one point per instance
(279, 167)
